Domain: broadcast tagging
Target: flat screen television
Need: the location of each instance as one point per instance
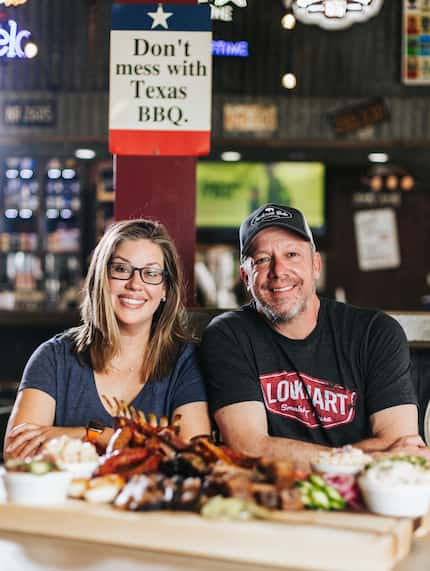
(228, 192)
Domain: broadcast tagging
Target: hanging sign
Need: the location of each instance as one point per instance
(160, 80)
(416, 42)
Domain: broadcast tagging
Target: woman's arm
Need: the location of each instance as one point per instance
(30, 424)
(194, 420)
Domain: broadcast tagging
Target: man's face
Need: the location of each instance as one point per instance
(281, 271)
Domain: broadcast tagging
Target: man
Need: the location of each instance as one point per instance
(291, 374)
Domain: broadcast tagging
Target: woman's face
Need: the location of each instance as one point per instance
(134, 301)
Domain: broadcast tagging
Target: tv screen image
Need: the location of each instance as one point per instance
(228, 192)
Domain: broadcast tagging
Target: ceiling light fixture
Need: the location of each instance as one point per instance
(86, 154)
(289, 81)
(31, 50)
(288, 21)
(231, 156)
(378, 157)
(407, 182)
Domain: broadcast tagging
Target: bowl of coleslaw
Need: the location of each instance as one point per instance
(34, 481)
(396, 487)
(344, 460)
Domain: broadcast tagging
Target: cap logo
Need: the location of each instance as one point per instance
(270, 213)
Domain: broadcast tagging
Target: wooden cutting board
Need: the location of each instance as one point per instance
(302, 540)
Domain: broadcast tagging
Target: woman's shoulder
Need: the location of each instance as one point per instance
(56, 343)
(60, 345)
(186, 349)
(186, 358)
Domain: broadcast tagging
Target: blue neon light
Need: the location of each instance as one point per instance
(11, 41)
(231, 49)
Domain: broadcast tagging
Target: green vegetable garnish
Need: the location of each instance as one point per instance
(233, 508)
(30, 466)
(40, 467)
(317, 494)
(415, 460)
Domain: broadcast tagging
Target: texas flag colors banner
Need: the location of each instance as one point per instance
(160, 79)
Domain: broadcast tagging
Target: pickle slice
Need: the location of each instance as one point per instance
(40, 467)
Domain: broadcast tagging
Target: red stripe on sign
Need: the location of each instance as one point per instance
(167, 143)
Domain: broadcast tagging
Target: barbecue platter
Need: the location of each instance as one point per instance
(148, 468)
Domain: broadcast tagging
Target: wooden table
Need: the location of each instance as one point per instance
(29, 552)
(77, 536)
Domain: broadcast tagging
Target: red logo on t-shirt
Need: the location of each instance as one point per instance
(313, 402)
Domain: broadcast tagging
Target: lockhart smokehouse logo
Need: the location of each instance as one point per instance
(223, 9)
(310, 401)
(271, 213)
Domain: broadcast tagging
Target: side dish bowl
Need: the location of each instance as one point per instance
(401, 500)
(344, 460)
(337, 468)
(25, 488)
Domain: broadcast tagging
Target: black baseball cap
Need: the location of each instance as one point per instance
(273, 215)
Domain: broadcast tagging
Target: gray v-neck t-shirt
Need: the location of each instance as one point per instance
(54, 369)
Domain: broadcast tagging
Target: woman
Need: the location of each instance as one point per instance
(131, 346)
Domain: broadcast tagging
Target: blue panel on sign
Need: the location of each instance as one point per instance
(161, 17)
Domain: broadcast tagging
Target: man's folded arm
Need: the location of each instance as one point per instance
(244, 428)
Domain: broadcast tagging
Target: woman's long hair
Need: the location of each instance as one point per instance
(99, 333)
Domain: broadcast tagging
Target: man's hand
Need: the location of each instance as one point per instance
(27, 439)
(412, 445)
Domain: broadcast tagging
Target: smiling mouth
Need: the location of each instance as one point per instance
(282, 289)
(132, 301)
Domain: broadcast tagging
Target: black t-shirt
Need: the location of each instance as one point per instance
(320, 389)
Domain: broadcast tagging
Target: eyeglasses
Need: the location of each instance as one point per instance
(124, 271)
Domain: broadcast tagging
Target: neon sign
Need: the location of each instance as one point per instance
(8, 3)
(225, 48)
(335, 14)
(220, 10)
(11, 41)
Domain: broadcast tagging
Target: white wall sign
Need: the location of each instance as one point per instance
(160, 79)
(377, 239)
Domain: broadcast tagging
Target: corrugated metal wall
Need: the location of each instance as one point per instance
(73, 38)
(332, 69)
(359, 61)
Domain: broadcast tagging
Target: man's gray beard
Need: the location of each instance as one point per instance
(279, 317)
(276, 317)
